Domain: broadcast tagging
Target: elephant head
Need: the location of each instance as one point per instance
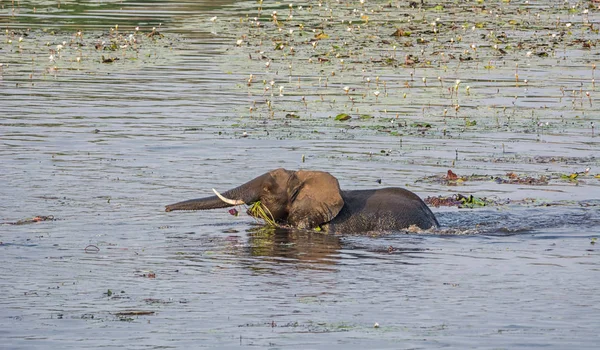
(303, 199)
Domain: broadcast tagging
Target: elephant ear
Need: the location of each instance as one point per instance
(315, 198)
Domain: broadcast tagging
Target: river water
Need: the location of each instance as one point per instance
(99, 149)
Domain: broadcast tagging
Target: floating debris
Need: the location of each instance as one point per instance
(402, 32)
(451, 178)
(512, 178)
(92, 249)
(148, 274)
(33, 220)
(135, 313)
(441, 201)
(462, 201)
(109, 59)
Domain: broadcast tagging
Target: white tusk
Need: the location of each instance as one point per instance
(227, 200)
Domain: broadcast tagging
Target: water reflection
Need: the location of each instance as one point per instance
(259, 248)
(289, 245)
(89, 14)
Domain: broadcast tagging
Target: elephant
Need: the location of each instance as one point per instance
(313, 200)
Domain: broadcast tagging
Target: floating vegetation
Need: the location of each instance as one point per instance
(469, 201)
(146, 274)
(307, 326)
(462, 201)
(41, 52)
(460, 68)
(509, 178)
(512, 178)
(539, 159)
(342, 117)
(135, 313)
(32, 220)
(128, 315)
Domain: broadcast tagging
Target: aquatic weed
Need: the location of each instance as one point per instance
(258, 210)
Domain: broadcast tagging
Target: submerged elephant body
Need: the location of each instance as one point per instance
(385, 209)
(313, 199)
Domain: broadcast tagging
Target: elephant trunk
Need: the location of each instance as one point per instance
(247, 193)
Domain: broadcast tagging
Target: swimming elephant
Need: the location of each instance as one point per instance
(314, 200)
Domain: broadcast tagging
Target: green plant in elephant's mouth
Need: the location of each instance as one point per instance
(258, 210)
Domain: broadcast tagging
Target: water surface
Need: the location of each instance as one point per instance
(102, 147)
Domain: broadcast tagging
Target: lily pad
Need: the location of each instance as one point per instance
(342, 117)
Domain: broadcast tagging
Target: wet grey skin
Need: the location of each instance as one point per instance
(313, 200)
